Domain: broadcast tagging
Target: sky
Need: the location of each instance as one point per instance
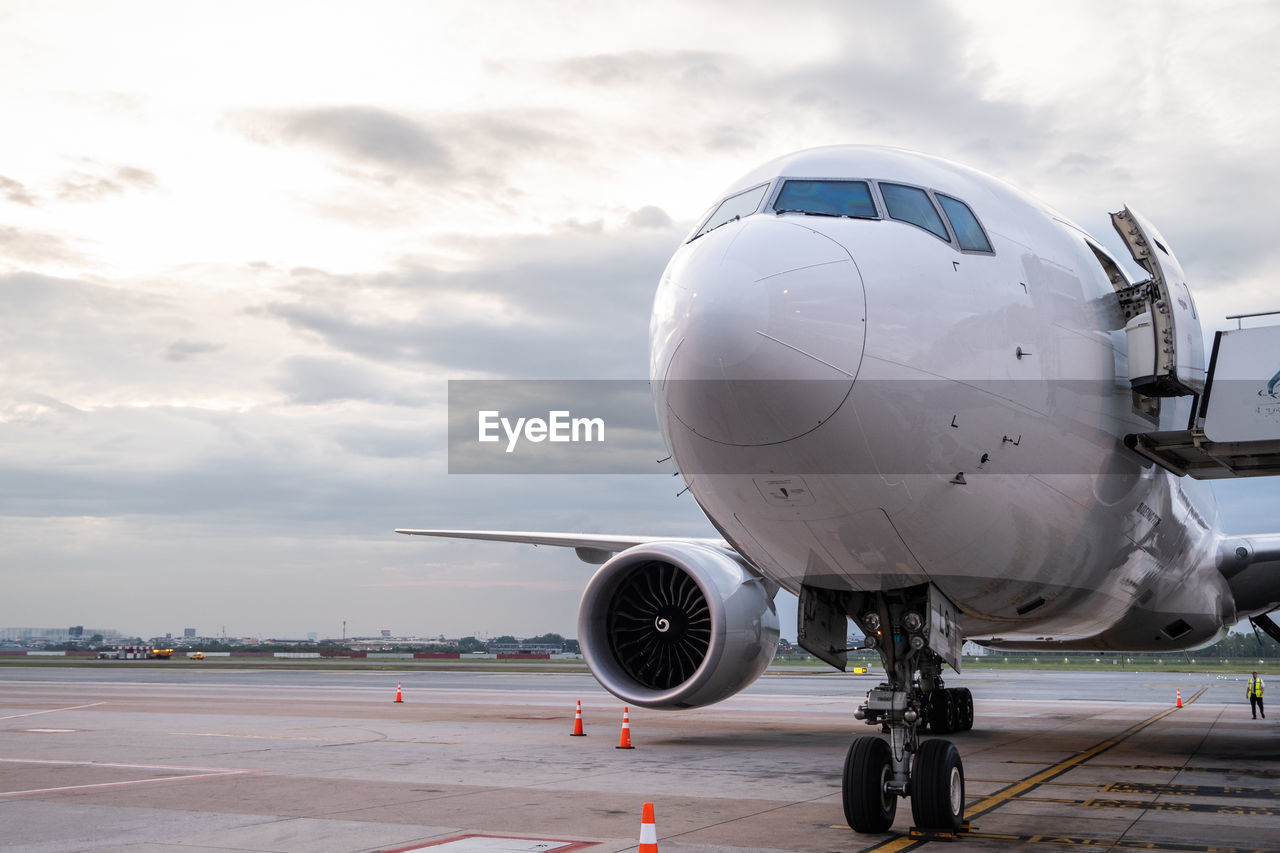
(244, 247)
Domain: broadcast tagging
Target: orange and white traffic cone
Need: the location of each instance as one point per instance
(399, 698)
(1179, 705)
(625, 741)
(577, 722)
(648, 831)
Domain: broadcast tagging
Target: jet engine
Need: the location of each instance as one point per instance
(677, 625)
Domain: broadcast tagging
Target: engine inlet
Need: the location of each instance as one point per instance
(659, 625)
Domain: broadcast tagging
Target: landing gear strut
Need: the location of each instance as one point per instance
(914, 631)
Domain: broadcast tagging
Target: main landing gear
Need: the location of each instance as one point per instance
(903, 627)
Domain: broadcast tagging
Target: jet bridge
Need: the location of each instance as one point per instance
(1235, 428)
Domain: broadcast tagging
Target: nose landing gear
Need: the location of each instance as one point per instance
(877, 772)
(908, 628)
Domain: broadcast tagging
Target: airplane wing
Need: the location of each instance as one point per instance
(590, 547)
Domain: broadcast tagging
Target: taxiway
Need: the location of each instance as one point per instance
(146, 758)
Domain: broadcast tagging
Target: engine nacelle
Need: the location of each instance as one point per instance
(677, 625)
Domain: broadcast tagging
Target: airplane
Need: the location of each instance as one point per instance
(912, 396)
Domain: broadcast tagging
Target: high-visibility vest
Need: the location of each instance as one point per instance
(1255, 688)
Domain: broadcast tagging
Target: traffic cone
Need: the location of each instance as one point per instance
(648, 831)
(625, 741)
(1179, 705)
(577, 722)
(399, 698)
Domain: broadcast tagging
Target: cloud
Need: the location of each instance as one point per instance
(26, 246)
(367, 134)
(421, 340)
(503, 581)
(185, 350)
(649, 217)
(450, 164)
(101, 344)
(650, 68)
(97, 182)
(571, 304)
(312, 381)
(15, 192)
(356, 467)
(79, 334)
(385, 442)
(166, 461)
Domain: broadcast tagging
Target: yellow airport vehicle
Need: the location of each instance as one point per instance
(160, 654)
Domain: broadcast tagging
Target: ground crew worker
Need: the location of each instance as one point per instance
(1254, 693)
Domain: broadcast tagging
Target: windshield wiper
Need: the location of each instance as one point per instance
(814, 213)
(709, 230)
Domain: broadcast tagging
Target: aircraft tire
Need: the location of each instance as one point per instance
(867, 767)
(937, 787)
(954, 710)
(938, 712)
(966, 702)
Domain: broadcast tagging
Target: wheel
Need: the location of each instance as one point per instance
(938, 712)
(966, 721)
(954, 710)
(868, 807)
(937, 787)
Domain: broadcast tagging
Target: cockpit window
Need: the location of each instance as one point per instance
(968, 230)
(908, 204)
(826, 198)
(734, 207)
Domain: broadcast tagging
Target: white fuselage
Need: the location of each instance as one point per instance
(858, 403)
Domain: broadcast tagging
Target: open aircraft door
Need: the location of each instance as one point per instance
(1166, 345)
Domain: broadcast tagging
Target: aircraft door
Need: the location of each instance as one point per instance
(1176, 355)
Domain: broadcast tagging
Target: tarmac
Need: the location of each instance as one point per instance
(157, 756)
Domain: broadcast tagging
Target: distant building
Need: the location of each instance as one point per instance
(37, 637)
(188, 633)
(526, 648)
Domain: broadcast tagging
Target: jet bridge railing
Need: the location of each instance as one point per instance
(1235, 430)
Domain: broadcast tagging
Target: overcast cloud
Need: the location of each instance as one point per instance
(239, 263)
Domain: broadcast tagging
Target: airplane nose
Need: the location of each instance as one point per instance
(761, 325)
